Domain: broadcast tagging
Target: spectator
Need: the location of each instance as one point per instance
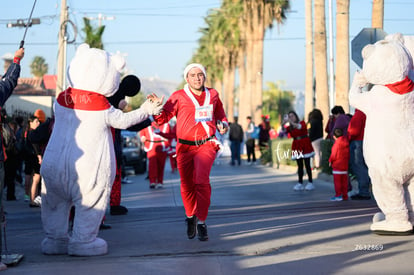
(10, 164)
(339, 161)
(250, 141)
(338, 119)
(273, 134)
(236, 138)
(357, 163)
(32, 164)
(264, 137)
(302, 149)
(315, 120)
(7, 84)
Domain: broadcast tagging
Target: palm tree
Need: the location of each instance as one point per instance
(93, 35)
(218, 50)
(377, 14)
(207, 54)
(257, 17)
(342, 54)
(232, 43)
(309, 92)
(39, 67)
(321, 74)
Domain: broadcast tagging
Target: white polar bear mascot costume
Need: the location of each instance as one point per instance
(389, 132)
(78, 167)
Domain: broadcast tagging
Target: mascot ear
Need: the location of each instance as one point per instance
(130, 86)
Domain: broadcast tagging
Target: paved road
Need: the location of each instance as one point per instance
(257, 225)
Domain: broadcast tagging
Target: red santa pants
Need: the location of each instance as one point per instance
(341, 185)
(194, 166)
(115, 199)
(156, 165)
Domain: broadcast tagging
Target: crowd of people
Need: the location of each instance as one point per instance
(25, 139)
(345, 132)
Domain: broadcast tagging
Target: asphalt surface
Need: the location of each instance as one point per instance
(257, 224)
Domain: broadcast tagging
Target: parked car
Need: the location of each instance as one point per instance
(133, 154)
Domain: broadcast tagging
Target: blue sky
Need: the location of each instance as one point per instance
(158, 37)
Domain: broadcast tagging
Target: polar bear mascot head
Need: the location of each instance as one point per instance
(95, 70)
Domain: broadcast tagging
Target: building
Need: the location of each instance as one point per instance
(30, 94)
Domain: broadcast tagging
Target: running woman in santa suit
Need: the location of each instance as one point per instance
(199, 113)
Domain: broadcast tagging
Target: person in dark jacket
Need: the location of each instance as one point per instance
(236, 138)
(315, 122)
(7, 84)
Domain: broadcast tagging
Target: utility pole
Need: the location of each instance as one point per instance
(61, 66)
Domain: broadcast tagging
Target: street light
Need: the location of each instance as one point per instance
(21, 24)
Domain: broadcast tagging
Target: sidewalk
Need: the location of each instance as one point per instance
(257, 225)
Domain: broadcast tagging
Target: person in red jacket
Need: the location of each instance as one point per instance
(156, 147)
(199, 113)
(339, 161)
(302, 149)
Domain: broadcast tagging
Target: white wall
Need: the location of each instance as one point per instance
(29, 104)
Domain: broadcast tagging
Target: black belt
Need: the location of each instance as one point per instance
(297, 138)
(196, 142)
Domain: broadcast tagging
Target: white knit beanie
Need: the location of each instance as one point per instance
(194, 65)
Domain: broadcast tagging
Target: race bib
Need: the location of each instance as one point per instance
(204, 113)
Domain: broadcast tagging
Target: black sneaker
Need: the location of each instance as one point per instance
(202, 232)
(191, 227)
(104, 226)
(118, 210)
(359, 197)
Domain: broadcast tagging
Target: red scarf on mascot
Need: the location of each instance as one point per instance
(82, 100)
(401, 87)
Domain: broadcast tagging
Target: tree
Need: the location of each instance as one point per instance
(228, 27)
(309, 92)
(321, 73)
(232, 43)
(93, 35)
(377, 14)
(277, 102)
(39, 67)
(218, 49)
(342, 54)
(258, 15)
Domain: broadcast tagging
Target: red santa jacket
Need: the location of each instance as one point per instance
(301, 142)
(182, 105)
(339, 158)
(356, 126)
(154, 141)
